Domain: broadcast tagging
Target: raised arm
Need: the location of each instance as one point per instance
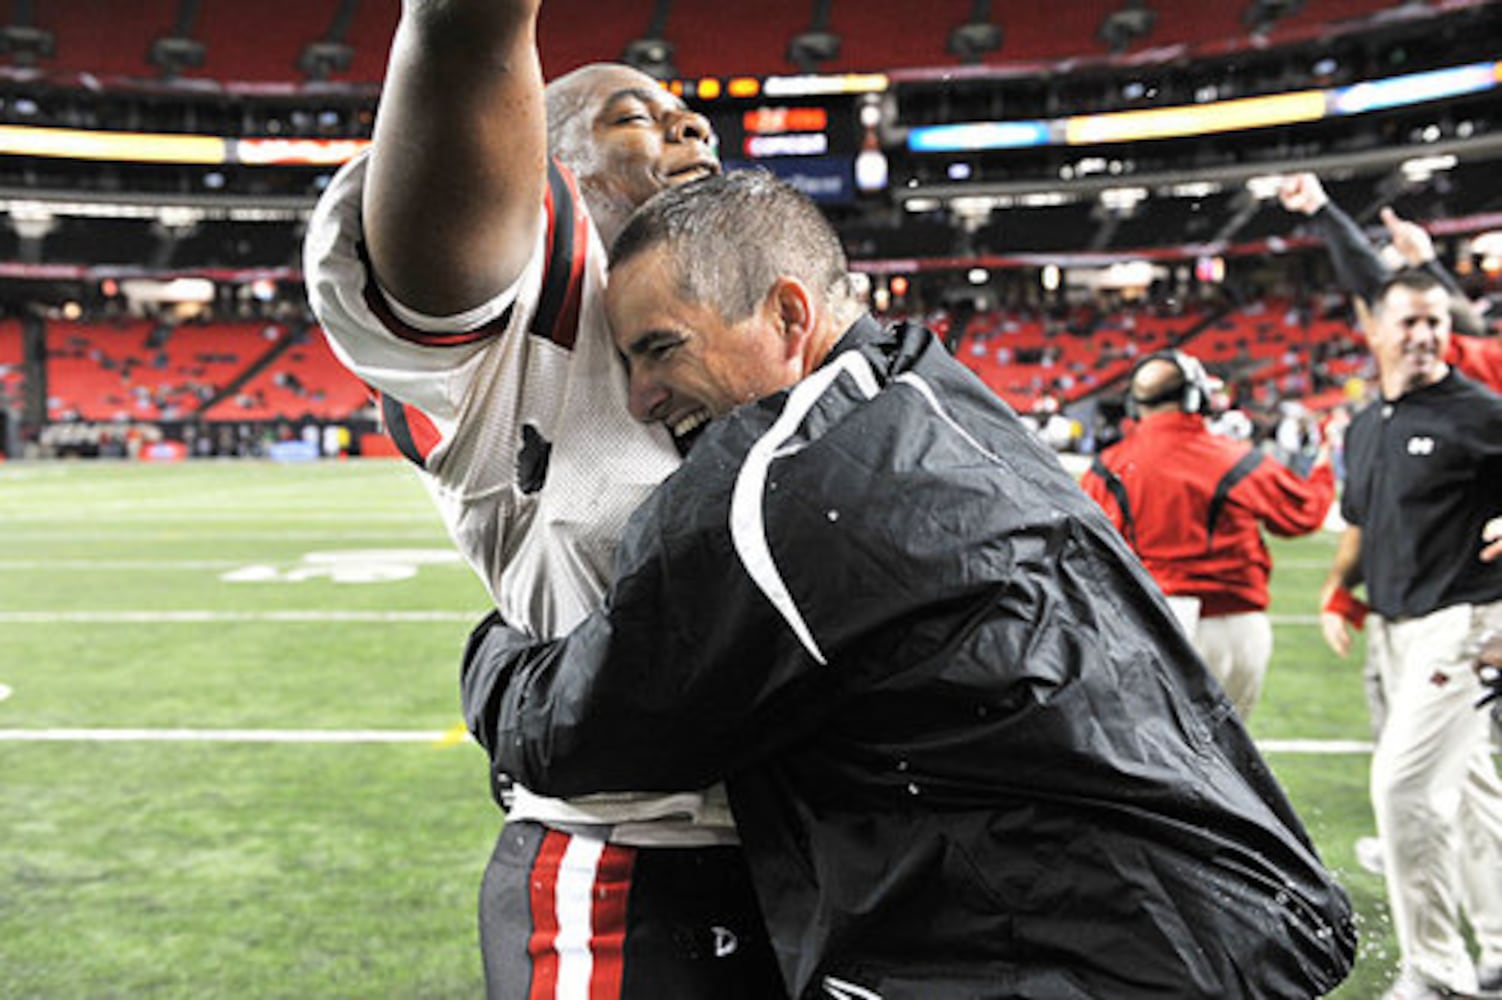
(1358, 268)
(459, 160)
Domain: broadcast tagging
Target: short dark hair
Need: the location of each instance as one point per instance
(1412, 278)
(732, 236)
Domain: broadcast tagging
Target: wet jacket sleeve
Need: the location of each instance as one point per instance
(681, 679)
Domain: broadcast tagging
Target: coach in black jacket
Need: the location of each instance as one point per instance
(968, 750)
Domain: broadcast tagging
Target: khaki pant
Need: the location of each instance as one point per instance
(1436, 793)
(1236, 648)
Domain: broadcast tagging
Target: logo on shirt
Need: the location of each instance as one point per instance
(1420, 445)
(725, 941)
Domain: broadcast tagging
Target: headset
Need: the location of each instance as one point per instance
(1193, 394)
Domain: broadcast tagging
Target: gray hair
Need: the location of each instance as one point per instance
(566, 99)
(732, 236)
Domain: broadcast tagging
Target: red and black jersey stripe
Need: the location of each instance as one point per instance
(557, 316)
(410, 429)
(556, 320)
(375, 299)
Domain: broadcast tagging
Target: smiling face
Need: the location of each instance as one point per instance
(688, 363)
(625, 138)
(1408, 334)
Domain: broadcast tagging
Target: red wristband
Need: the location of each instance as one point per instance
(1346, 604)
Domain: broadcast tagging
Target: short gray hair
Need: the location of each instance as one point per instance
(733, 236)
(567, 100)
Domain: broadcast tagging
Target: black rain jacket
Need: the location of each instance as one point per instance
(968, 750)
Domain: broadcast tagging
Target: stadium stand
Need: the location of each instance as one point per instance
(303, 381)
(242, 222)
(104, 37)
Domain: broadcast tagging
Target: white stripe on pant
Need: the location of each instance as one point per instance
(574, 904)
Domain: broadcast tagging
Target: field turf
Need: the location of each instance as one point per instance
(229, 764)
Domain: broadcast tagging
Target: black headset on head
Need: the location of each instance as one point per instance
(1192, 394)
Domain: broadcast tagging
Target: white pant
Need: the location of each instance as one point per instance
(1236, 648)
(1436, 794)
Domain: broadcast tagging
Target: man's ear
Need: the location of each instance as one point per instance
(1363, 317)
(795, 312)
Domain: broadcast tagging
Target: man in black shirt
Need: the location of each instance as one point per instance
(1424, 479)
(969, 750)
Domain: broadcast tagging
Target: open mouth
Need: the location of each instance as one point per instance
(687, 428)
(693, 172)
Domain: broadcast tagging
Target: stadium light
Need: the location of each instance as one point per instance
(1421, 168)
(653, 56)
(1264, 187)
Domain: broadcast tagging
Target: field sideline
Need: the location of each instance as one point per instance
(228, 707)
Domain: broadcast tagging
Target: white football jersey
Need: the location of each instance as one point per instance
(515, 415)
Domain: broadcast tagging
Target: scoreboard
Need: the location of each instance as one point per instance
(808, 131)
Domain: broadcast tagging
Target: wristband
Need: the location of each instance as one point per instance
(1346, 604)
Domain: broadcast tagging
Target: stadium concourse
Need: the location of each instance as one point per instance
(1059, 190)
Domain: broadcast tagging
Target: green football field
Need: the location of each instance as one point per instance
(229, 764)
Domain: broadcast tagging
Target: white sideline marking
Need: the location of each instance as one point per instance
(130, 564)
(421, 736)
(1316, 746)
(170, 515)
(219, 736)
(198, 617)
(177, 534)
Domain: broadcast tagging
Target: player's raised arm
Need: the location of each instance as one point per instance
(459, 160)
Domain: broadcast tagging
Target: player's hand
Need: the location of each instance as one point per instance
(1489, 671)
(1337, 636)
(1491, 535)
(1302, 193)
(1409, 238)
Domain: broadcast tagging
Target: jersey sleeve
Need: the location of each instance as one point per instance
(428, 362)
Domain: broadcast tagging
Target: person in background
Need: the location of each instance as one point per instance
(1424, 482)
(969, 751)
(1360, 269)
(459, 270)
(1193, 506)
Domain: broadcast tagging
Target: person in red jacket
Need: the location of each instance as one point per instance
(1192, 505)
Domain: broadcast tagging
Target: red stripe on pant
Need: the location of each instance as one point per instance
(609, 894)
(545, 916)
(608, 922)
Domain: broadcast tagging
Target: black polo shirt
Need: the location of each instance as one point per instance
(1423, 475)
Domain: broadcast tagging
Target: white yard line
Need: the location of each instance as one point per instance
(220, 736)
(157, 534)
(171, 617)
(1318, 747)
(130, 564)
(197, 617)
(174, 515)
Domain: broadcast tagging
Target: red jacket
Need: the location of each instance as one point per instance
(1191, 503)
(1478, 358)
